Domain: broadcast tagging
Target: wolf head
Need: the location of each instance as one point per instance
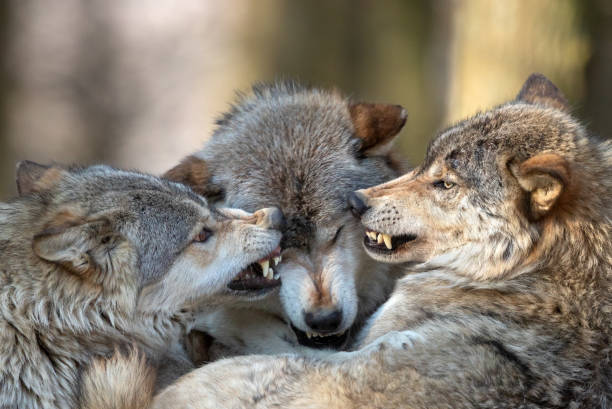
(304, 150)
(495, 192)
(122, 231)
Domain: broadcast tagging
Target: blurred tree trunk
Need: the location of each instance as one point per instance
(598, 103)
(125, 83)
(497, 44)
(377, 51)
(7, 167)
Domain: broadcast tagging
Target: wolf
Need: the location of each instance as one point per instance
(97, 260)
(507, 301)
(302, 150)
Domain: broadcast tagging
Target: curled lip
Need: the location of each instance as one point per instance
(385, 243)
(258, 276)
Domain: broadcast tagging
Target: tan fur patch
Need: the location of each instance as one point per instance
(124, 380)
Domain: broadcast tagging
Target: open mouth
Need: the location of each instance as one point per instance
(385, 243)
(259, 275)
(319, 341)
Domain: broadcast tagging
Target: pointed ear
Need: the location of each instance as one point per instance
(376, 125)
(540, 90)
(545, 176)
(79, 246)
(193, 172)
(32, 177)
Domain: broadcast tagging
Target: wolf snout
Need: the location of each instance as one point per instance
(324, 320)
(358, 204)
(270, 218)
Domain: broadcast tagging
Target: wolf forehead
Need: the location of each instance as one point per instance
(157, 216)
(292, 147)
(83, 183)
(514, 131)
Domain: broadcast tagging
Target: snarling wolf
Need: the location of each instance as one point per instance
(94, 260)
(302, 150)
(507, 226)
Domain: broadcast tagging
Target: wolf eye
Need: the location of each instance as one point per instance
(443, 184)
(337, 234)
(203, 235)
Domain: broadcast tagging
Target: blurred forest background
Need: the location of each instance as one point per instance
(138, 84)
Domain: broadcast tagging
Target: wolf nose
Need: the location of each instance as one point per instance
(357, 202)
(270, 218)
(324, 320)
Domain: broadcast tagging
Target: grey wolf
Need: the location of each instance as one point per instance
(302, 150)
(507, 303)
(97, 260)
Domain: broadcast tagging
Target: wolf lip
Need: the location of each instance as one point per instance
(385, 243)
(259, 275)
(335, 341)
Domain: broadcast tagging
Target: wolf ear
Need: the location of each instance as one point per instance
(376, 125)
(32, 177)
(540, 90)
(193, 172)
(79, 246)
(545, 176)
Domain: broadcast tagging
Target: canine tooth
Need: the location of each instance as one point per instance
(371, 235)
(264, 266)
(387, 240)
(277, 260)
(379, 239)
(270, 274)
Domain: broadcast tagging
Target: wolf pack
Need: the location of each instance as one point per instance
(296, 261)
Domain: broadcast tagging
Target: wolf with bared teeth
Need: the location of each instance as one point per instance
(302, 150)
(507, 225)
(97, 259)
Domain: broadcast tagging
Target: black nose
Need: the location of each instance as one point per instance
(324, 320)
(357, 202)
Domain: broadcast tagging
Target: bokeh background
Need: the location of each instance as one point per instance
(138, 83)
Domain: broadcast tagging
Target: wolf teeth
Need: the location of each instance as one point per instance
(277, 260)
(387, 240)
(270, 274)
(265, 265)
(380, 238)
(276, 276)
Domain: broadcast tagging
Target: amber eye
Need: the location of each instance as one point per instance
(203, 235)
(443, 184)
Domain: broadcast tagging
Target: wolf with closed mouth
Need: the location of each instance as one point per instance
(507, 225)
(301, 150)
(97, 259)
